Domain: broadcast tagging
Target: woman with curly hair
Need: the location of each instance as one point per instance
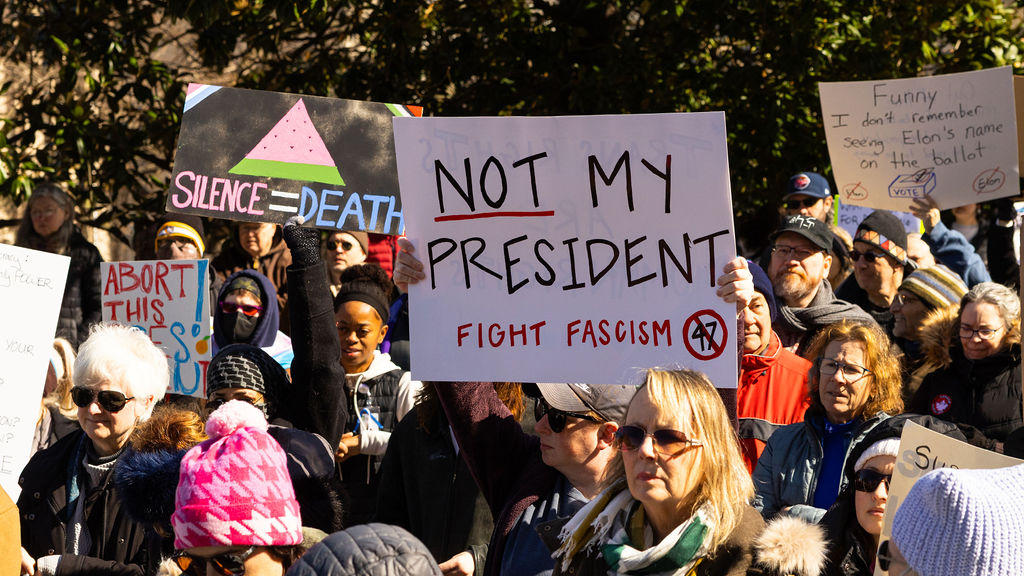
(855, 383)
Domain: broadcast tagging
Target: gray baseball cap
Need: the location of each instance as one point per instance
(609, 401)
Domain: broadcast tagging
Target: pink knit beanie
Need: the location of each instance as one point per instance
(234, 489)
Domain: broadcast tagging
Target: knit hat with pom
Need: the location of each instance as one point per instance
(964, 523)
(234, 489)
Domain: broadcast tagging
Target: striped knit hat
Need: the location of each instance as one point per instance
(234, 489)
(964, 523)
(936, 286)
(884, 230)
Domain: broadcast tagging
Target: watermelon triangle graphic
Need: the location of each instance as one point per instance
(292, 150)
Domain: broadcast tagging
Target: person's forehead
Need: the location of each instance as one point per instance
(243, 296)
(800, 197)
(862, 246)
(233, 392)
(795, 240)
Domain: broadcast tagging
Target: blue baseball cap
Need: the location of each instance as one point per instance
(809, 184)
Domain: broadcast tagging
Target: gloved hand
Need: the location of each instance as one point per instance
(303, 242)
(1004, 209)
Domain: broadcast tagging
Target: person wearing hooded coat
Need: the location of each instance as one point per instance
(250, 288)
(850, 548)
(367, 550)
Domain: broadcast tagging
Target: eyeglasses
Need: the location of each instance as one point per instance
(345, 245)
(557, 418)
(109, 400)
(43, 213)
(789, 252)
(867, 480)
(904, 299)
(966, 332)
(871, 257)
(885, 560)
(228, 563)
(666, 441)
(802, 203)
(247, 309)
(180, 244)
(851, 372)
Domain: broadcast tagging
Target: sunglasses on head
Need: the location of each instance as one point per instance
(345, 245)
(869, 256)
(868, 480)
(247, 309)
(109, 400)
(557, 418)
(666, 441)
(802, 203)
(227, 564)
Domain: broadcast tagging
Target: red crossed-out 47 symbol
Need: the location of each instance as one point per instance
(705, 334)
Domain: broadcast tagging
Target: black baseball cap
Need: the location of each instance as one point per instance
(809, 227)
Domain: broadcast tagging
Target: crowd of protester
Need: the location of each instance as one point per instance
(315, 452)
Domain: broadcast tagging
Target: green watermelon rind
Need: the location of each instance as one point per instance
(289, 171)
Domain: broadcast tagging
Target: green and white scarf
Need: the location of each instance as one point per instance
(614, 523)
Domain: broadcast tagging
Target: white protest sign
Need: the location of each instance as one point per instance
(568, 249)
(951, 137)
(31, 291)
(168, 299)
(849, 216)
(923, 450)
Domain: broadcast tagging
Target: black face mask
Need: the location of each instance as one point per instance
(239, 328)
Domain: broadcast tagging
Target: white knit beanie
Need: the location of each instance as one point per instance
(964, 523)
(886, 447)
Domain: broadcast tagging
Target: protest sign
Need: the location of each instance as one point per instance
(1018, 98)
(849, 216)
(168, 300)
(951, 137)
(568, 249)
(267, 156)
(31, 291)
(923, 450)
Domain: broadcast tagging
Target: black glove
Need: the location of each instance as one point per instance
(303, 242)
(1004, 209)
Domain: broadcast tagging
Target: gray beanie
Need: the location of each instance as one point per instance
(964, 523)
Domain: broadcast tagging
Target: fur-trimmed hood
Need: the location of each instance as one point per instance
(790, 546)
(936, 340)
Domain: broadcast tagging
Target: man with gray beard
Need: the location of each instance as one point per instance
(800, 260)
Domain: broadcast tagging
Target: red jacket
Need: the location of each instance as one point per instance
(772, 393)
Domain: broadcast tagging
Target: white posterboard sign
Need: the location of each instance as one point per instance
(169, 301)
(952, 137)
(568, 249)
(31, 291)
(849, 216)
(923, 450)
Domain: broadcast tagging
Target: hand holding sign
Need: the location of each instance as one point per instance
(927, 211)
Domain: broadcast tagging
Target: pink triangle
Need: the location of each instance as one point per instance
(293, 139)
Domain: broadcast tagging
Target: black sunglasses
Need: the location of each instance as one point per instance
(868, 480)
(798, 204)
(228, 563)
(666, 441)
(557, 418)
(345, 245)
(109, 400)
(869, 256)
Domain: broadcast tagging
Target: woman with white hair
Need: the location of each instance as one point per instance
(978, 386)
(71, 515)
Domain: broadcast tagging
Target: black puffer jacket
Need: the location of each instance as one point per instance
(118, 545)
(81, 306)
(982, 396)
(367, 550)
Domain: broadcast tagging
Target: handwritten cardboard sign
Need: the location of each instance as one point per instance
(849, 216)
(267, 156)
(923, 450)
(951, 137)
(168, 299)
(31, 291)
(568, 249)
